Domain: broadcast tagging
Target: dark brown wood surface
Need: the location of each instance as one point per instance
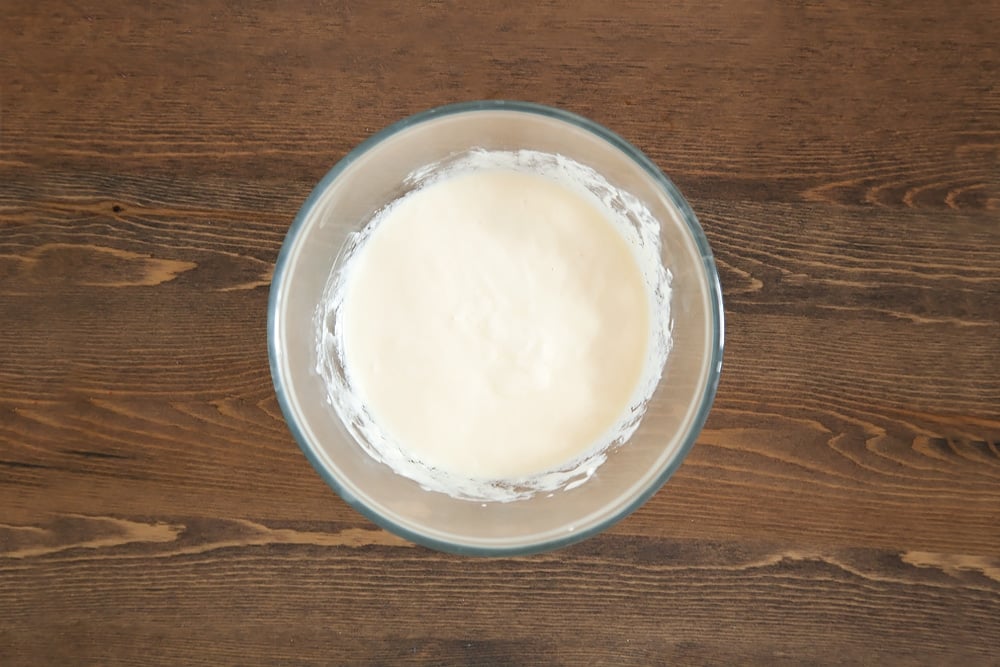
(842, 505)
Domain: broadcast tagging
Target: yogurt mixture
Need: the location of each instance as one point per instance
(495, 330)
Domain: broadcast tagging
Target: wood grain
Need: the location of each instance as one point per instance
(842, 505)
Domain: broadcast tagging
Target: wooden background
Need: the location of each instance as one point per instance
(842, 505)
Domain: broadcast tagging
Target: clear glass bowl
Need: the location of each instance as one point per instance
(371, 176)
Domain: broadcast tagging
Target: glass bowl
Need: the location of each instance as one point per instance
(372, 175)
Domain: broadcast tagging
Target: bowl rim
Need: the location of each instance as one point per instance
(676, 198)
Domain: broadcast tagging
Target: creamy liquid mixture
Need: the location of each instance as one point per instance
(494, 331)
(495, 324)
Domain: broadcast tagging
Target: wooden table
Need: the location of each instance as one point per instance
(842, 505)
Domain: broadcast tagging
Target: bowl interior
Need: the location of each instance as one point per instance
(370, 177)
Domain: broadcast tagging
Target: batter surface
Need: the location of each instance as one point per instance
(495, 324)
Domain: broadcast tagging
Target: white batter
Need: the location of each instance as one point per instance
(495, 324)
(499, 329)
